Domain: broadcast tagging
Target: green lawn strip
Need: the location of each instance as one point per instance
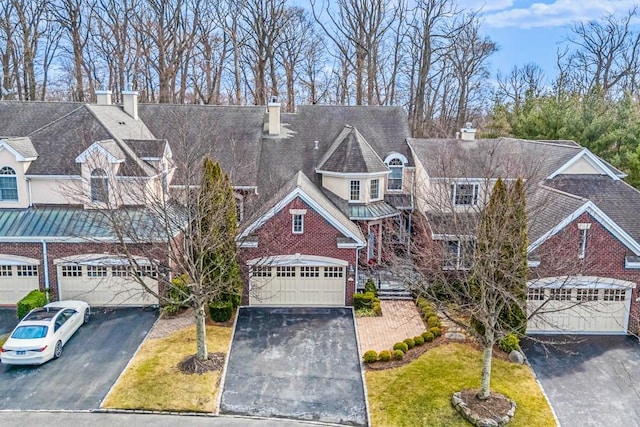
(153, 381)
(420, 393)
(3, 339)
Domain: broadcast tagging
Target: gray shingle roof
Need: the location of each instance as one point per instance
(617, 199)
(547, 207)
(147, 148)
(23, 145)
(229, 134)
(18, 118)
(351, 153)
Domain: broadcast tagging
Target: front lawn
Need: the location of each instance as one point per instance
(153, 381)
(420, 393)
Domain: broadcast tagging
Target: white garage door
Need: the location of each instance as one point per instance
(103, 285)
(597, 307)
(17, 279)
(286, 285)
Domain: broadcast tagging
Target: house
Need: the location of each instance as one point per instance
(318, 192)
(584, 236)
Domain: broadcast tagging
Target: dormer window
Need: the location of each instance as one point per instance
(354, 194)
(396, 166)
(99, 186)
(464, 194)
(8, 184)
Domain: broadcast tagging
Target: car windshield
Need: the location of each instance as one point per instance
(30, 332)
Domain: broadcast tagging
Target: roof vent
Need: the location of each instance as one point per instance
(315, 144)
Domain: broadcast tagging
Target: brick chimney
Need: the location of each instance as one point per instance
(468, 132)
(103, 97)
(273, 110)
(130, 103)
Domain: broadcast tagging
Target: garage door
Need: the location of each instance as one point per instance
(600, 306)
(18, 277)
(104, 285)
(287, 285)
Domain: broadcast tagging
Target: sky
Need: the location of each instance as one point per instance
(531, 31)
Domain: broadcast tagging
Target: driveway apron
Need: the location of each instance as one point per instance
(8, 320)
(299, 363)
(91, 362)
(592, 381)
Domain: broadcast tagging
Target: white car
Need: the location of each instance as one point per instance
(43, 332)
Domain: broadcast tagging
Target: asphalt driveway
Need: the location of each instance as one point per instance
(299, 363)
(91, 362)
(8, 320)
(594, 382)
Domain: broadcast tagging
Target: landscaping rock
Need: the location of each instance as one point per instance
(516, 357)
(491, 414)
(456, 336)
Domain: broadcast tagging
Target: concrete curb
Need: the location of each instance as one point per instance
(364, 382)
(223, 374)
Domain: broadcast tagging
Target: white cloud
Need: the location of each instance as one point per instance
(556, 13)
(486, 5)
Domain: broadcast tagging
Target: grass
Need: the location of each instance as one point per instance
(420, 393)
(3, 339)
(153, 381)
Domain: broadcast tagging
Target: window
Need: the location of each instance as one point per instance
(99, 186)
(395, 177)
(297, 223)
(309, 271)
(614, 294)
(586, 295)
(465, 194)
(561, 294)
(71, 271)
(333, 271)
(8, 184)
(96, 271)
(355, 191)
(375, 189)
(27, 270)
(584, 228)
(261, 271)
(458, 254)
(6, 271)
(285, 272)
(120, 270)
(535, 294)
(147, 271)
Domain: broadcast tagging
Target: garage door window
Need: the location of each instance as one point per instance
(261, 271)
(71, 271)
(96, 271)
(27, 270)
(587, 295)
(614, 294)
(147, 271)
(6, 271)
(561, 294)
(285, 272)
(120, 271)
(535, 294)
(333, 272)
(310, 271)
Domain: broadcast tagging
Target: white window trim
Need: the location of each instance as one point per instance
(584, 228)
(459, 265)
(351, 199)
(474, 196)
(293, 223)
(380, 196)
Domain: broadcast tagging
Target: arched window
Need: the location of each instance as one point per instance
(99, 186)
(8, 184)
(396, 166)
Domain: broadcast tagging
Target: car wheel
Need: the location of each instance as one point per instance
(86, 316)
(58, 350)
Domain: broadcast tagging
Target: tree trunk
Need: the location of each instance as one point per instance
(201, 334)
(485, 386)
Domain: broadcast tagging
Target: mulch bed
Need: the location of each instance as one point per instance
(495, 407)
(191, 364)
(409, 356)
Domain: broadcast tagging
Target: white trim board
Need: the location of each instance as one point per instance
(592, 159)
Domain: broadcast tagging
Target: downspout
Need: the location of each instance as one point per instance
(357, 262)
(29, 190)
(45, 272)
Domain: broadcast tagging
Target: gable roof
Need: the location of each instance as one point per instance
(108, 148)
(351, 153)
(300, 186)
(595, 162)
(19, 118)
(22, 147)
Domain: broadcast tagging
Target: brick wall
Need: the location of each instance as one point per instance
(276, 237)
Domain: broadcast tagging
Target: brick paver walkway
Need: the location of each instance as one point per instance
(400, 320)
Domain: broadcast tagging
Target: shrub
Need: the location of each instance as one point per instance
(365, 300)
(436, 331)
(428, 313)
(419, 340)
(428, 336)
(410, 343)
(402, 346)
(384, 356)
(433, 322)
(177, 293)
(370, 286)
(33, 299)
(377, 308)
(234, 298)
(398, 354)
(221, 311)
(509, 343)
(370, 356)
